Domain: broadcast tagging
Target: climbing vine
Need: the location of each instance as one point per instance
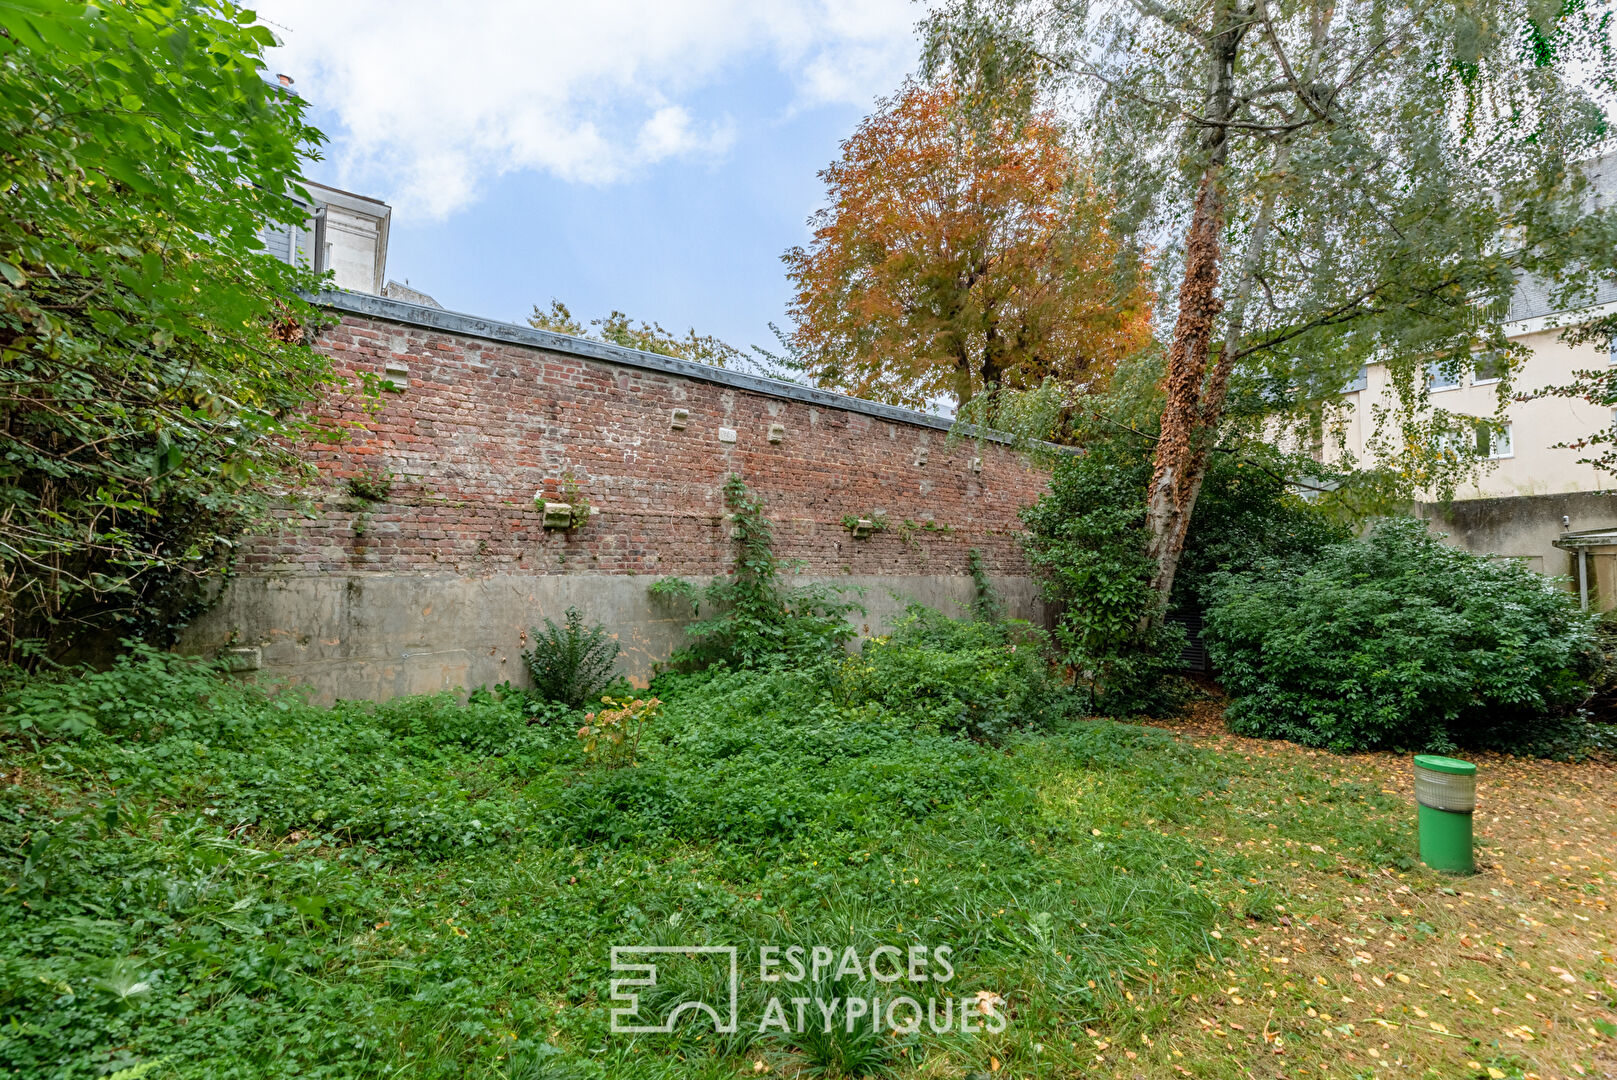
(755, 617)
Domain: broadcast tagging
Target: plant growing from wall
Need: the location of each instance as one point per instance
(986, 604)
(371, 485)
(862, 527)
(573, 495)
(757, 618)
(907, 529)
(571, 663)
(367, 488)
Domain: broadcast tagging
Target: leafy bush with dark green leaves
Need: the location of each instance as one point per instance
(1399, 640)
(155, 377)
(1088, 541)
(975, 678)
(756, 619)
(572, 664)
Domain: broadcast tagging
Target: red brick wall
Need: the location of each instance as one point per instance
(485, 424)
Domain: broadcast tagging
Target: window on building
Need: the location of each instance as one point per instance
(1359, 381)
(1489, 369)
(1496, 444)
(1611, 348)
(1437, 378)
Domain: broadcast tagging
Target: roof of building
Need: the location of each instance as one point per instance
(1533, 299)
(1586, 538)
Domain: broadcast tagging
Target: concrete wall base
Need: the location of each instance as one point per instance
(379, 635)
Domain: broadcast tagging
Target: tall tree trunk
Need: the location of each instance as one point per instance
(1176, 480)
(962, 378)
(1195, 401)
(993, 369)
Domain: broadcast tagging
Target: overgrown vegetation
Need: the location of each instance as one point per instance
(371, 485)
(754, 616)
(1088, 541)
(1399, 640)
(154, 373)
(611, 737)
(977, 678)
(571, 664)
(224, 882)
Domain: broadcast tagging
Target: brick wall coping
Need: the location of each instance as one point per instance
(454, 322)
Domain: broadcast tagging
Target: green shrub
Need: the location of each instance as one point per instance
(974, 678)
(757, 618)
(1401, 641)
(1087, 540)
(572, 664)
(146, 694)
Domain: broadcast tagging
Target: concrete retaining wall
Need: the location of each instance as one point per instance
(380, 635)
(1522, 526)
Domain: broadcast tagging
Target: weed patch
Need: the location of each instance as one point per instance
(229, 882)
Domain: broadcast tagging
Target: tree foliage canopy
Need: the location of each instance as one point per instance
(619, 329)
(153, 375)
(959, 253)
(1339, 182)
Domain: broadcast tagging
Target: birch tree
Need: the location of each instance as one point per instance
(1339, 181)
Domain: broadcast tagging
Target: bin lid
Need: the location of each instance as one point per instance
(1438, 763)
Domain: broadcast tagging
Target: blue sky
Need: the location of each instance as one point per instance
(659, 169)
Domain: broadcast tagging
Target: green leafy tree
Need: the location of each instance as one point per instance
(1340, 183)
(153, 370)
(1087, 538)
(618, 329)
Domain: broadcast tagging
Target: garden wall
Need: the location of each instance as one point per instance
(434, 584)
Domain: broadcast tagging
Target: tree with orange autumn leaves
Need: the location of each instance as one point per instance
(955, 257)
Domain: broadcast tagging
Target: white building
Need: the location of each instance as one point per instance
(1532, 500)
(344, 233)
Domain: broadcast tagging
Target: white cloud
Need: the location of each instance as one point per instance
(668, 133)
(435, 99)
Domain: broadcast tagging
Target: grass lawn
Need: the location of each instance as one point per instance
(251, 886)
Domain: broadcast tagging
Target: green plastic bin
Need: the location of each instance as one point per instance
(1446, 797)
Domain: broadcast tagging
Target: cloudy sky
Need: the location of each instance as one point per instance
(653, 156)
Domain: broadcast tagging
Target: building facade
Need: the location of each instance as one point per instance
(1531, 500)
(342, 232)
